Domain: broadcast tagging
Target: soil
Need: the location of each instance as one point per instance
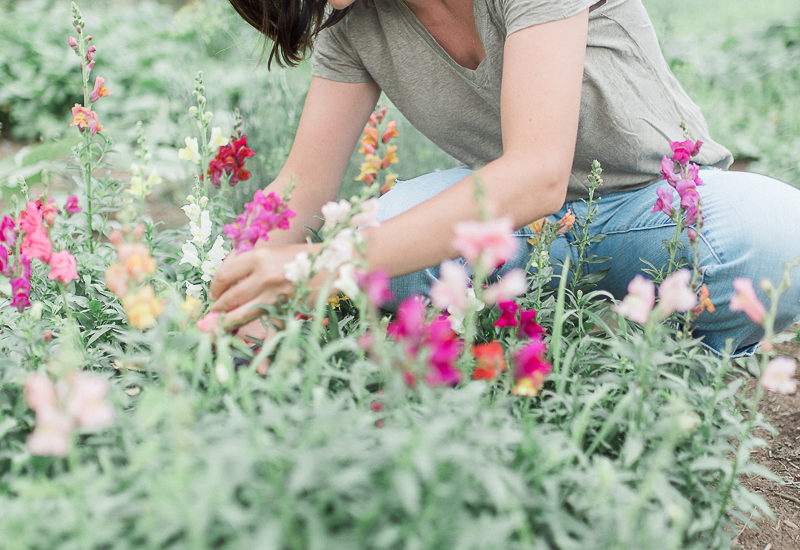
(781, 456)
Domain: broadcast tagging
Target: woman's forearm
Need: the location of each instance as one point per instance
(422, 236)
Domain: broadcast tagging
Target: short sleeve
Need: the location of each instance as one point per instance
(521, 14)
(334, 58)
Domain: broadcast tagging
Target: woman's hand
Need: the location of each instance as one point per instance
(251, 279)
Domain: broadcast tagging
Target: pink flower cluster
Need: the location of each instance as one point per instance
(530, 365)
(230, 160)
(685, 181)
(76, 401)
(263, 214)
(437, 339)
(674, 293)
(375, 284)
(28, 238)
(486, 244)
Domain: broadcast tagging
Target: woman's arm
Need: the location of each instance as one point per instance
(540, 104)
(333, 117)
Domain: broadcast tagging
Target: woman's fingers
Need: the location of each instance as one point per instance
(235, 268)
(243, 314)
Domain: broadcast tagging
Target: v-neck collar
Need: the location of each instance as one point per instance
(476, 74)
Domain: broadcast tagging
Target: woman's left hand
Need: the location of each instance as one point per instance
(250, 279)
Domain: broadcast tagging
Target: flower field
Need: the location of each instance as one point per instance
(526, 411)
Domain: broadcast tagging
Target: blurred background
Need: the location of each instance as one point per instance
(739, 62)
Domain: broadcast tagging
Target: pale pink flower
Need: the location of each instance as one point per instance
(746, 300)
(449, 291)
(486, 244)
(368, 213)
(338, 251)
(376, 286)
(511, 285)
(87, 402)
(639, 302)
(52, 434)
(40, 392)
(779, 376)
(209, 323)
(63, 267)
(566, 222)
(335, 213)
(675, 294)
(99, 90)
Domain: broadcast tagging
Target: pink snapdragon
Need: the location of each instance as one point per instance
(437, 338)
(664, 202)
(675, 294)
(99, 90)
(639, 301)
(747, 301)
(531, 368)
(20, 293)
(449, 291)
(488, 244)
(683, 151)
(263, 214)
(72, 205)
(79, 400)
(375, 285)
(508, 314)
(779, 376)
(63, 267)
(209, 323)
(510, 285)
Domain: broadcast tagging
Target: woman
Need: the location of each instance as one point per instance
(529, 92)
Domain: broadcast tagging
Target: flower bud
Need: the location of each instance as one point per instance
(47, 336)
(36, 311)
(766, 285)
(73, 42)
(89, 38)
(193, 110)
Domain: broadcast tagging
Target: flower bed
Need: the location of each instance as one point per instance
(498, 414)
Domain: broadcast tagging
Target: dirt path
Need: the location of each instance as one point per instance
(781, 456)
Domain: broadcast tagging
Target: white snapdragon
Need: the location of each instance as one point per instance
(214, 259)
(190, 152)
(201, 230)
(217, 140)
(346, 281)
(339, 251)
(335, 213)
(298, 269)
(195, 291)
(190, 255)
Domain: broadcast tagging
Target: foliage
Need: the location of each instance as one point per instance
(637, 438)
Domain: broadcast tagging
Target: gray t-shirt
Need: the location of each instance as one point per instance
(631, 103)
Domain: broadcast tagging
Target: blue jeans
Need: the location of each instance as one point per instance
(751, 228)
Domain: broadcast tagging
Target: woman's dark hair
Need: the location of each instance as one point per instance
(290, 24)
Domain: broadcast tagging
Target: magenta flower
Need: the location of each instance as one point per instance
(779, 376)
(683, 151)
(445, 348)
(375, 285)
(5, 265)
(668, 170)
(746, 300)
(527, 324)
(63, 267)
(263, 214)
(72, 205)
(664, 202)
(20, 293)
(486, 244)
(409, 323)
(530, 360)
(508, 314)
(8, 233)
(675, 293)
(639, 301)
